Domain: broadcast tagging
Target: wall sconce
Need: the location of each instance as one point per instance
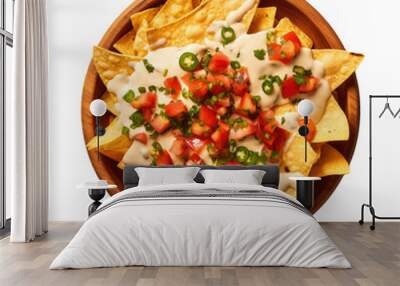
(98, 108)
(305, 108)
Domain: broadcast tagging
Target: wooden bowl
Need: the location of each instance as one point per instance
(302, 14)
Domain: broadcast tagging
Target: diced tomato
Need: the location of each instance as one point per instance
(219, 83)
(224, 101)
(292, 36)
(232, 163)
(179, 148)
(141, 137)
(288, 52)
(221, 136)
(196, 144)
(200, 129)
(265, 137)
(312, 128)
(175, 109)
(164, 159)
(187, 78)
(174, 85)
(198, 88)
(289, 88)
(280, 138)
(274, 52)
(160, 123)
(241, 82)
(208, 116)
(266, 117)
(218, 63)
(238, 133)
(222, 110)
(196, 159)
(247, 105)
(310, 85)
(147, 114)
(147, 100)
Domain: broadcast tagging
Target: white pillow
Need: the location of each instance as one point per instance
(164, 176)
(248, 177)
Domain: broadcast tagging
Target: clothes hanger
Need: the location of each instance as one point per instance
(387, 107)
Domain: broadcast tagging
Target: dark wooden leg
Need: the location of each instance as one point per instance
(305, 193)
(96, 195)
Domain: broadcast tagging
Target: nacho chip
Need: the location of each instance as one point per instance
(109, 64)
(285, 26)
(110, 99)
(125, 45)
(293, 158)
(140, 45)
(330, 163)
(192, 28)
(339, 65)
(282, 109)
(291, 192)
(171, 11)
(121, 165)
(333, 125)
(113, 143)
(148, 15)
(263, 19)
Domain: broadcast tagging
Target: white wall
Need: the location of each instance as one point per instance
(363, 26)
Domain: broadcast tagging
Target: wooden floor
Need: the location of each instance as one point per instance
(375, 257)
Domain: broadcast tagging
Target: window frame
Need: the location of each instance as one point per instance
(6, 39)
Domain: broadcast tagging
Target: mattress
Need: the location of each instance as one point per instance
(201, 225)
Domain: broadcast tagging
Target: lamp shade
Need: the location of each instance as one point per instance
(98, 107)
(305, 107)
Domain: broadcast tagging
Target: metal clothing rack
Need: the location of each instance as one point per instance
(370, 204)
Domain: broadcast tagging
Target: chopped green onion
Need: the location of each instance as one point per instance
(300, 79)
(228, 35)
(129, 96)
(194, 110)
(125, 130)
(157, 147)
(188, 61)
(257, 99)
(259, 54)
(267, 87)
(283, 120)
(152, 88)
(235, 65)
(149, 67)
(165, 72)
(137, 119)
(142, 89)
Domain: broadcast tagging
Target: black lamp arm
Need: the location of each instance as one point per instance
(303, 131)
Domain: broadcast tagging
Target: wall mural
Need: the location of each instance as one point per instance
(195, 83)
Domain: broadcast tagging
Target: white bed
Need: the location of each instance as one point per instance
(223, 225)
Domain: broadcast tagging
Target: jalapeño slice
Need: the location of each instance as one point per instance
(252, 159)
(267, 87)
(228, 35)
(188, 61)
(242, 154)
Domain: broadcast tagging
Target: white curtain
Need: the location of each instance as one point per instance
(27, 117)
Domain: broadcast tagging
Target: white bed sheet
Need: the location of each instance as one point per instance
(200, 231)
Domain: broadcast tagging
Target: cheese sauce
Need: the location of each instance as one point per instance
(166, 64)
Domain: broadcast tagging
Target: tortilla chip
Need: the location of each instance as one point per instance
(125, 44)
(330, 163)
(110, 99)
(109, 64)
(333, 125)
(192, 28)
(339, 65)
(196, 2)
(263, 19)
(293, 158)
(113, 143)
(285, 108)
(121, 165)
(148, 15)
(291, 192)
(285, 26)
(140, 45)
(171, 11)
